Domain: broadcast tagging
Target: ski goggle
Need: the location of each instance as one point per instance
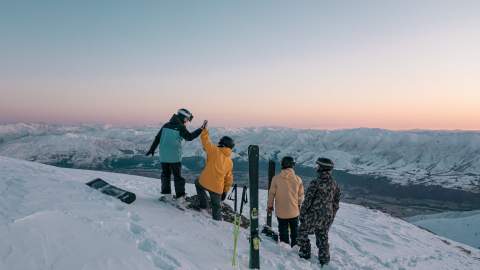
(320, 165)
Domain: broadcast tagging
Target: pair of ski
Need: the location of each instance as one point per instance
(236, 223)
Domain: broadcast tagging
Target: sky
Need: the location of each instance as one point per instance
(300, 64)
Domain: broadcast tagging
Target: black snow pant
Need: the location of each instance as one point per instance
(283, 227)
(176, 169)
(321, 235)
(215, 201)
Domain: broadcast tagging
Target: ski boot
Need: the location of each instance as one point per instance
(304, 255)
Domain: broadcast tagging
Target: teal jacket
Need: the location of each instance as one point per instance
(169, 140)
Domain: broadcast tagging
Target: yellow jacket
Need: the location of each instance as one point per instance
(217, 175)
(287, 192)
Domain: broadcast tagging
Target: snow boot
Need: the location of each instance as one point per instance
(166, 198)
(304, 255)
(182, 202)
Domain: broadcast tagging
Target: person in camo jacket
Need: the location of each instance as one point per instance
(322, 200)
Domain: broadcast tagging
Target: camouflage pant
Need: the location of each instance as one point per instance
(321, 241)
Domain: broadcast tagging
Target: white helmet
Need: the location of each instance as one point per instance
(185, 114)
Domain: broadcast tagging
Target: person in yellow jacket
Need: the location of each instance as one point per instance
(287, 192)
(217, 176)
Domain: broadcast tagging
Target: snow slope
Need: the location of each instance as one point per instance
(460, 226)
(446, 158)
(50, 220)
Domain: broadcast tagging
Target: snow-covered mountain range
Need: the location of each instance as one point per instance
(447, 158)
(49, 219)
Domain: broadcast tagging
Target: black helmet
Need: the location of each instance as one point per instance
(185, 114)
(288, 162)
(324, 164)
(226, 141)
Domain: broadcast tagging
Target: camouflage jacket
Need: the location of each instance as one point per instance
(322, 200)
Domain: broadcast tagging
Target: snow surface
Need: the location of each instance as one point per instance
(446, 158)
(49, 219)
(463, 227)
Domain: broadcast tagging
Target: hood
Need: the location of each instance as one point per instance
(226, 151)
(287, 173)
(176, 120)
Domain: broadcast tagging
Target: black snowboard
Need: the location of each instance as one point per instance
(104, 187)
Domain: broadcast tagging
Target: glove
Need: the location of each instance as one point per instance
(205, 124)
(224, 196)
(150, 152)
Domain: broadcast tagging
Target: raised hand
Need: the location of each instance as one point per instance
(205, 124)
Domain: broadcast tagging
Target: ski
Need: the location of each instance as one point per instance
(253, 162)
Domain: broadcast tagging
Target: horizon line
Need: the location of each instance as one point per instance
(106, 124)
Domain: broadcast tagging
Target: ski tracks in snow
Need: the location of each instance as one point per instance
(158, 235)
(146, 243)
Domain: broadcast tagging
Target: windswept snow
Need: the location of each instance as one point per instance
(49, 219)
(445, 158)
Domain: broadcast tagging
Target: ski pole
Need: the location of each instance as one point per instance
(231, 198)
(244, 199)
(236, 230)
(236, 198)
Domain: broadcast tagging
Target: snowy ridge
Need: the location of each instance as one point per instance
(49, 219)
(446, 158)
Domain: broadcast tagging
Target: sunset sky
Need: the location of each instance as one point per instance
(303, 64)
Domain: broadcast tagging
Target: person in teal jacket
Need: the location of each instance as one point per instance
(169, 140)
